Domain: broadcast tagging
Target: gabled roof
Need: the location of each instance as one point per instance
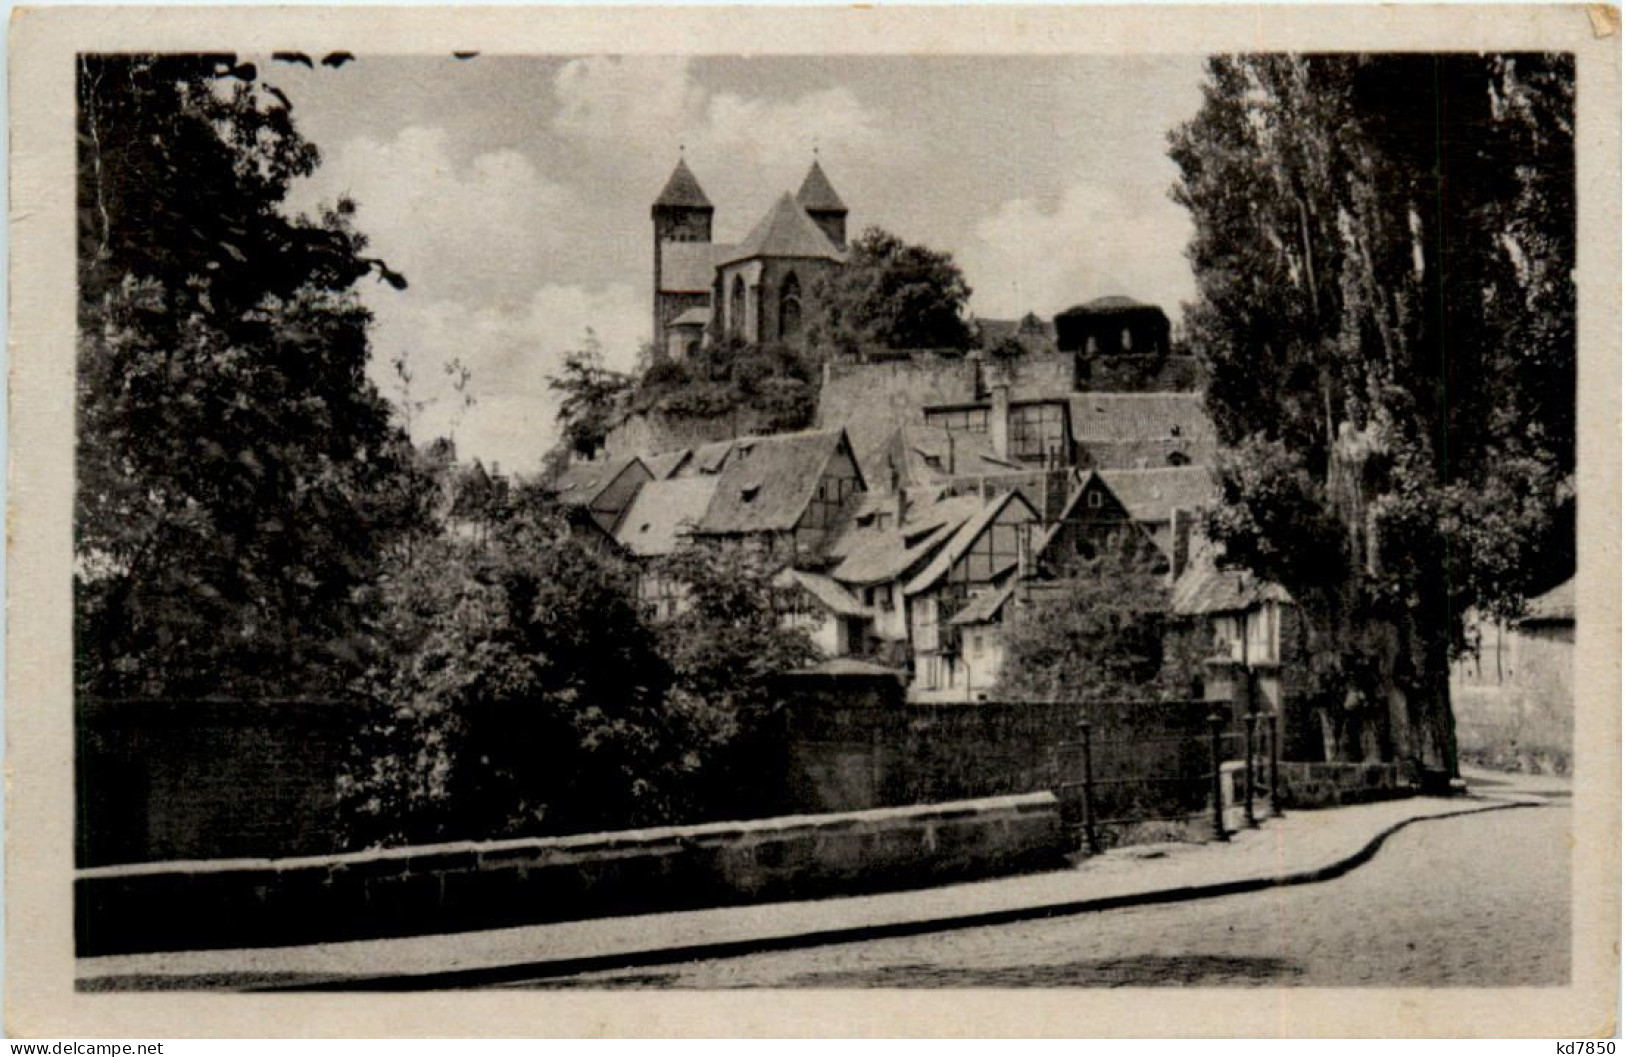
(985, 605)
(1154, 495)
(663, 514)
(581, 482)
(786, 231)
(666, 463)
(817, 194)
(691, 267)
(962, 540)
(833, 596)
(682, 190)
(709, 458)
(1203, 590)
(928, 454)
(767, 482)
(870, 555)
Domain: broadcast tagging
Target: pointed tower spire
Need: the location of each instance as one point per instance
(682, 190)
(817, 196)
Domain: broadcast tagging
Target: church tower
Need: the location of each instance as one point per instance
(682, 213)
(817, 196)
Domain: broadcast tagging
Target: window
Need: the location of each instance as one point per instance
(790, 307)
(1128, 340)
(1092, 346)
(1095, 500)
(736, 308)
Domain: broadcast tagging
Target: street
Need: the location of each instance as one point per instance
(1480, 900)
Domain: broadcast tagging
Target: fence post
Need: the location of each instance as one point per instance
(1086, 729)
(1215, 723)
(1250, 722)
(1275, 763)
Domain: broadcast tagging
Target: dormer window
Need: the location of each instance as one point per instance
(750, 491)
(1173, 430)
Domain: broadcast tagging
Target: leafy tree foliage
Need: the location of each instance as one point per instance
(238, 478)
(775, 384)
(1095, 634)
(1384, 252)
(892, 294)
(592, 395)
(725, 649)
(524, 695)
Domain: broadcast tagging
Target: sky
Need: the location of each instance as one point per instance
(514, 193)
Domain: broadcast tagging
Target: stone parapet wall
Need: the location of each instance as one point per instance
(463, 886)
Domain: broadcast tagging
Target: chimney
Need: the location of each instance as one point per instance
(998, 419)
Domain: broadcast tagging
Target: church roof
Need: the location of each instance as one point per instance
(691, 267)
(817, 194)
(683, 190)
(786, 231)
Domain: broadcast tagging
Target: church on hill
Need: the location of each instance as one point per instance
(756, 290)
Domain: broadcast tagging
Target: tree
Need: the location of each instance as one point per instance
(519, 692)
(592, 395)
(726, 649)
(891, 294)
(1094, 634)
(237, 475)
(1384, 254)
(775, 385)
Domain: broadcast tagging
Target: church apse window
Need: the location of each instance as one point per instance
(736, 308)
(790, 307)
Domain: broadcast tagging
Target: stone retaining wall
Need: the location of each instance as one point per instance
(454, 887)
(1330, 784)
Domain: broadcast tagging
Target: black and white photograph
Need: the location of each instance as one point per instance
(626, 520)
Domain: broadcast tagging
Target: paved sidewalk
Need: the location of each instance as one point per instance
(1303, 847)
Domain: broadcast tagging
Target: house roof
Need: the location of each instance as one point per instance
(984, 605)
(767, 482)
(694, 317)
(1110, 304)
(1204, 589)
(1554, 607)
(663, 514)
(691, 267)
(666, 463)
(817, 194)
(870, 555)
(683, 190)
(1140, 416)
(1154, 494)
(961, 540)
(786, 231)
(833, 596)
(709, 457)
(927, 454)
(581, 482)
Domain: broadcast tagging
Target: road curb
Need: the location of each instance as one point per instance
(487, 976)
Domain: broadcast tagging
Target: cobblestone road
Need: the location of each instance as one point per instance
(1481, 900)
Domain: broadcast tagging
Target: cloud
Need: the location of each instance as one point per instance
(745, 149)
(510, 351)
(479, 228)
(1093, 241)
